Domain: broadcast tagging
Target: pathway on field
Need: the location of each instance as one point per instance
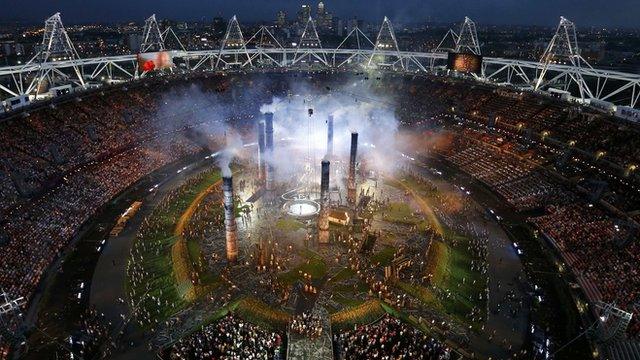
(426, 209)
(184, 273)
(506, 323)
(186, 216)
(108, 289)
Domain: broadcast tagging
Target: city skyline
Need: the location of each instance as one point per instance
(621, 13)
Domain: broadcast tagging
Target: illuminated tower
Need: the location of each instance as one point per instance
(467, 41)
(304, 13)
(281, 19)
(563, 49)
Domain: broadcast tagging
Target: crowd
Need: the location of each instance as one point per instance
(92, 338)
(61, 162)
(586, 237)
(389, 339)
(599, 146)
(231, 338)
(516, 179)
(307, 324)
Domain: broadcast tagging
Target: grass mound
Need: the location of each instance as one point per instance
(384, 257)
(458, 288)
(315, 267)
(158, 252)
(365, 313)
(185, 254)
(287, 224)
(260, 313)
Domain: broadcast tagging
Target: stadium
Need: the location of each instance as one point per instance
(262, 201)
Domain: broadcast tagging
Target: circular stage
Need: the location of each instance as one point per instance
(302, 208)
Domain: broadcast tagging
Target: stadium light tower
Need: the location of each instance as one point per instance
(9, 306)
(563, 49)
(56, 41)
(151, 36)
(309, 44)
(360, 39)
(448, 42)
(467, 40)
(233, 39)
(263, 39)
(56, 46)
(169, 34)
(613, 322)
(386, 42)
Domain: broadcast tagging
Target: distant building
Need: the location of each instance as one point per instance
(134, 41)
(354, 23)
(281, 19)
(339, 27)
(339, 217)
(8, 48)
(324, 19)
(219, 26)
(303, 14)
(19, 49)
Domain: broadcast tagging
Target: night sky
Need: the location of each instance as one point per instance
(623, 13)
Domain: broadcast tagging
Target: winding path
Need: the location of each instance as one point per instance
(110, 272)
(505, 274)
(181, 249)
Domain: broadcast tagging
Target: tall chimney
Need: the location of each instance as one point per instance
(351, 185)
(330, 137)
(268, 119)
(324, 180)
(323, 224)
(261, 151)
(230, 220)
(323, 217)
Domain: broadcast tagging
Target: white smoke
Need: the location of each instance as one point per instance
(355, 107)
(357, 104)
(232, 149)
(189, 106)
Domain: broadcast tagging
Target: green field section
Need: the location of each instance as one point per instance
(158, 282)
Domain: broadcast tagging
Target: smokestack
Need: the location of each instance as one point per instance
(330, 137)
(324, 180)
(323, 217)
(351, 186)
(230, 220)
(261, 151)
(268, 119)
(323, 224)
